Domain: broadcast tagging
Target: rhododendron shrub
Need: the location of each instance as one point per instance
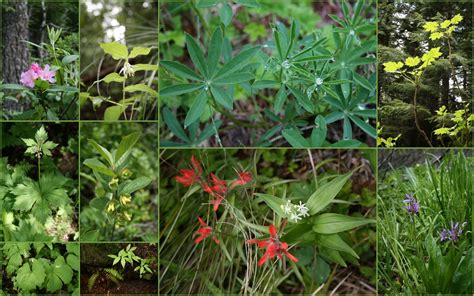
(227, 210)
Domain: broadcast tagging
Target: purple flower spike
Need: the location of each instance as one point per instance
(413, 207)
(443, 235)
(454, 233)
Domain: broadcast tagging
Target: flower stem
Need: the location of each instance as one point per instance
(415, 112)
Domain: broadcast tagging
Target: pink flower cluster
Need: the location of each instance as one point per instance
(34, 72)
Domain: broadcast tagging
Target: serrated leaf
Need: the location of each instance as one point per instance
(26, 195)
(330, 223)
(113, 77)
(180, 70)
(197, 109)
(116, 50)
(138, 51)
(325, 193)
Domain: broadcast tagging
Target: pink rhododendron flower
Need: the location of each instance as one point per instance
(36, 72)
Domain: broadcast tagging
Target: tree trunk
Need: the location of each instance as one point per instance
(15, 29)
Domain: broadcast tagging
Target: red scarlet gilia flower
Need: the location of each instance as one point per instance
(274, 247)
(244, 178)
(189, 177)
(204, 231)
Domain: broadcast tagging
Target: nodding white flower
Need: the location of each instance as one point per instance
(127, 70)
(302, 209)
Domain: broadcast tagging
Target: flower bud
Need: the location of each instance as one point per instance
(126, 173)
(111, 207)
(125, 199)
(113, 184)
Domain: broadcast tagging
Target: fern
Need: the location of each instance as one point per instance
(92, 280)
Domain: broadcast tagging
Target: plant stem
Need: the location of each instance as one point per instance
(39, 167)
(113, 229)
(415, 112)
(123, 100)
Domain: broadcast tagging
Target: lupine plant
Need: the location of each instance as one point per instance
(425, 227)
(315, 81)
(257, 234)
(50, 89)
(136, 97)
(41, 268)
(116, 186)
(37, 202)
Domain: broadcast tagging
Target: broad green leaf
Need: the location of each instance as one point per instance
(221, 97)
(206, 3)
(141, 87)
(362, 81)
(215, 48)
(99, 203)
(332, 255)
(138, 51)
(302, 99)
(197, 109)
(174, 125)
(273, 202)
(135, 185)
(179, 89)
(113, 77)
(26, 195)
(330, 223)
(196, 55)
(125, 147)
(27, 279)
(69, 59)
(225, 14)
(262, 84)
(98, 166)
(58, 274)
(335, 242)
(113, 113)
(319, 133)
(73, 261)
(234, 78)
(145, 67)
(295, 138)
(116, 50)
(238, 62)
(102, 151)
(42, 211)
(367, 128)
(325, 193)
(180, 70)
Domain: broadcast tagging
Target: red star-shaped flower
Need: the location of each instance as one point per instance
(204, 231)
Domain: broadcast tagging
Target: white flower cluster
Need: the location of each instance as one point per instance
(295, 212)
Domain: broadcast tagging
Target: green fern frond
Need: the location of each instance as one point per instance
(113, 275)
(92, 280)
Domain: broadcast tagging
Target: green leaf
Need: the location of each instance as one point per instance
(174, 125)
(347, 129)
(330, 223)
(138, 51)
(222, 98)
(280, 99)
(28, 279)
(113, 113)
(179, 89)
(113, 77)
(262, 84)
(125, 147)
(135, 185)
(249, 3)
(73, 261)
(346, 144)
(197, 109)
(362, 81)
(325, 193)
(141, 87)
(370, 113)
(145, 67)
(69, 59)
(335, 242)
(279, 45)
(116, 50)
(234, 78)
(180, 70)
(215, 48)
(98, 166)
(319, 133)
(238, 62)
(26, 195)
(42, 211)
(225, 14)
(295, 138)
(367, 128)
(206, 3)
(196, 55)
(302, 99)
(102, 151)
(99, 203)
(273, 202)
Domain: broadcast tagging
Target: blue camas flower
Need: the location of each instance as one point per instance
(413, 207)
(453, 233)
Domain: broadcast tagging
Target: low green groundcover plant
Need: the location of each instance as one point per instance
(425, 228)
(41, 268)
(310, 81)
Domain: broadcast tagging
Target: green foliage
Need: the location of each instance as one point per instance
(109, 274)
(118, 198)
(321, 77)
(127, 255)
(411, 256)
(41, 209)
(42, 267)
(49, 101)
